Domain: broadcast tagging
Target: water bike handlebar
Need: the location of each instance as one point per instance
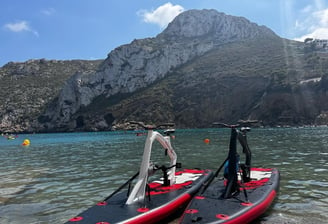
(242, 129)
(225, 125)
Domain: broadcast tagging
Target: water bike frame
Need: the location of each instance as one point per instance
(232, 174)
(138, 192)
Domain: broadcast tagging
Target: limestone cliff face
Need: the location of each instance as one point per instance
(137, 65)
(213, 26)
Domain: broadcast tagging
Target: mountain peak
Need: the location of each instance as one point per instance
(209, 22)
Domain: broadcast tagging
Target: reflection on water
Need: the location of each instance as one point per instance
(59, 175)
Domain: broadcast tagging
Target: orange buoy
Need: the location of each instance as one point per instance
(206, 141)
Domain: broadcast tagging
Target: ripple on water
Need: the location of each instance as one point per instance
(320, 170)
(27, 213)
(307, 183)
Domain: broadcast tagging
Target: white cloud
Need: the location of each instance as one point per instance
(21, 26)
(161, 16)
(18, 27)
(315, 24)
(307, 9)
(319, 33)
(48, 12)
(322, 17)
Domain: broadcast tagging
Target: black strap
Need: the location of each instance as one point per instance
(121, 187)
(205, 186)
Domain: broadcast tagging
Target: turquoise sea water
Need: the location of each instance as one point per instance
(60, 175)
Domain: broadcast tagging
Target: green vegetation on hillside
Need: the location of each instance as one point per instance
(227, 83)
(27, 88)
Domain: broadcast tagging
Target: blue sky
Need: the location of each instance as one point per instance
(90, 29)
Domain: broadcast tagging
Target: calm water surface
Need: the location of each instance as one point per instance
(60, 175)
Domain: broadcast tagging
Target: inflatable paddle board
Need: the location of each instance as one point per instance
(148, 201)
(241, 195)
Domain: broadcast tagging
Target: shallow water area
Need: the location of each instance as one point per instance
(60, 175)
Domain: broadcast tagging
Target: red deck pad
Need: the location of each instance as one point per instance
(261, 169)
(156, 188)
(255, 183)
(251, 184)
(189, 171)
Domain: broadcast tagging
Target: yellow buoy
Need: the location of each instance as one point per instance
(26, 142)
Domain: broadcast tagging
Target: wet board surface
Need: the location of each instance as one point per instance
(161, 201)
(211, 207)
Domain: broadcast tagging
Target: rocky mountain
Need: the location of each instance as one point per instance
(205, 66)
(27, 88)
